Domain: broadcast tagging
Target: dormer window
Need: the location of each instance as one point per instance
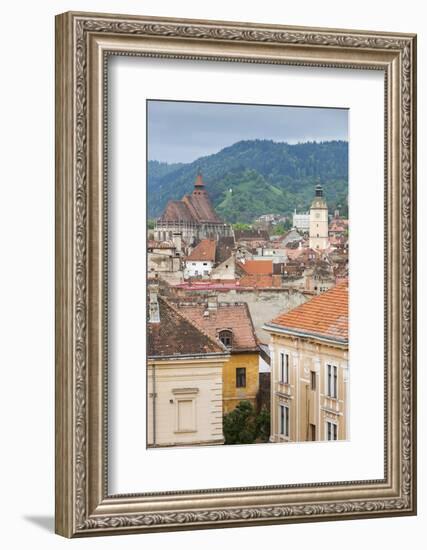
(226, 337)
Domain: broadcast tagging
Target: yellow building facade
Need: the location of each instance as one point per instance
(230, 324)
(240, 379)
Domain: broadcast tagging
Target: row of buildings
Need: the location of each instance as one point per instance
(241, 316)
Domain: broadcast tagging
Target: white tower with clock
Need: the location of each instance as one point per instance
(319, 223)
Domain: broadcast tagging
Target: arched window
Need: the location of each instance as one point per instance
(226, 337)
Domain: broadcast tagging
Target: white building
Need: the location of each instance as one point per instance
(184, 379)
(319, 223)
(200, 262)
(302, 221)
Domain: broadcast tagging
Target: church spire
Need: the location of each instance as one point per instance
(199, 184)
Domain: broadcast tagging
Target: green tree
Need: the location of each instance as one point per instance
(242, 226)
(151, 224)
(255, 177)
(263, 425)
(243, 425)
(239, 425)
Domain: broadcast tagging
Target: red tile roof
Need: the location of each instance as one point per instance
(204, 251)
(258, 267)
(235, 317)
(302, 253)
(323, 315)
(261, 281)
(178, 335)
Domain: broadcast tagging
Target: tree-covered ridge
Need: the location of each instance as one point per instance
(257, 177)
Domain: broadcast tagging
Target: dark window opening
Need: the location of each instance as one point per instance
(312, 432)
(313, 380)
(240, 377)
(226, 337)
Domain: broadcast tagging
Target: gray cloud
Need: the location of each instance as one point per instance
(183, 131)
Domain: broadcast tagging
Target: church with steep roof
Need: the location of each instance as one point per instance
(193, 217)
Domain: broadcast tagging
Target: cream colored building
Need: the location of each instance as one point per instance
(319, 224)
(184, 380)
(310, 369)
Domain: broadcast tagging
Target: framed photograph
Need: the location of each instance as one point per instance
(235, 274)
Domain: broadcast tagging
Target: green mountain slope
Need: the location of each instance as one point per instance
(257, 177)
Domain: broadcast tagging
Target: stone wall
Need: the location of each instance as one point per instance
(265, 304)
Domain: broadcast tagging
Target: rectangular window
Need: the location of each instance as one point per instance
(284, 368)
(331, 431)
(284, 420)
(240, 377)
(313, 380)
(332, 382)
(312, 432)
(185, 415)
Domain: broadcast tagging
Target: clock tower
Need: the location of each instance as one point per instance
(319, 223)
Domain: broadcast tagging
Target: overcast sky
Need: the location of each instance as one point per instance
(180, 131)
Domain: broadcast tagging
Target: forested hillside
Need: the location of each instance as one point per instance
(257, 177)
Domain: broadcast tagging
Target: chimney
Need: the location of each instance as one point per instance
(212, 302)
(154, 304)
(177, 241)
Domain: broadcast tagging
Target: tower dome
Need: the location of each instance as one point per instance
(319, 200)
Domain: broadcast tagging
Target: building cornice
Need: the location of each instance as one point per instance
(191, 356)
(277, 329)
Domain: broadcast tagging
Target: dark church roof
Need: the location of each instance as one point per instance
(177, 211)
(196, 208)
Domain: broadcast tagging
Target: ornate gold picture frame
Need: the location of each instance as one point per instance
(84, 42)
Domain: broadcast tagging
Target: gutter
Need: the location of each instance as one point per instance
(217, 354)
(271, 327)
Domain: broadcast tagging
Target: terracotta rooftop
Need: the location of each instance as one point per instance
(178, 335)
(323, 315)
(302, 253)
(235, 317)
(261, 281)
(257, 267)
(204, 251)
